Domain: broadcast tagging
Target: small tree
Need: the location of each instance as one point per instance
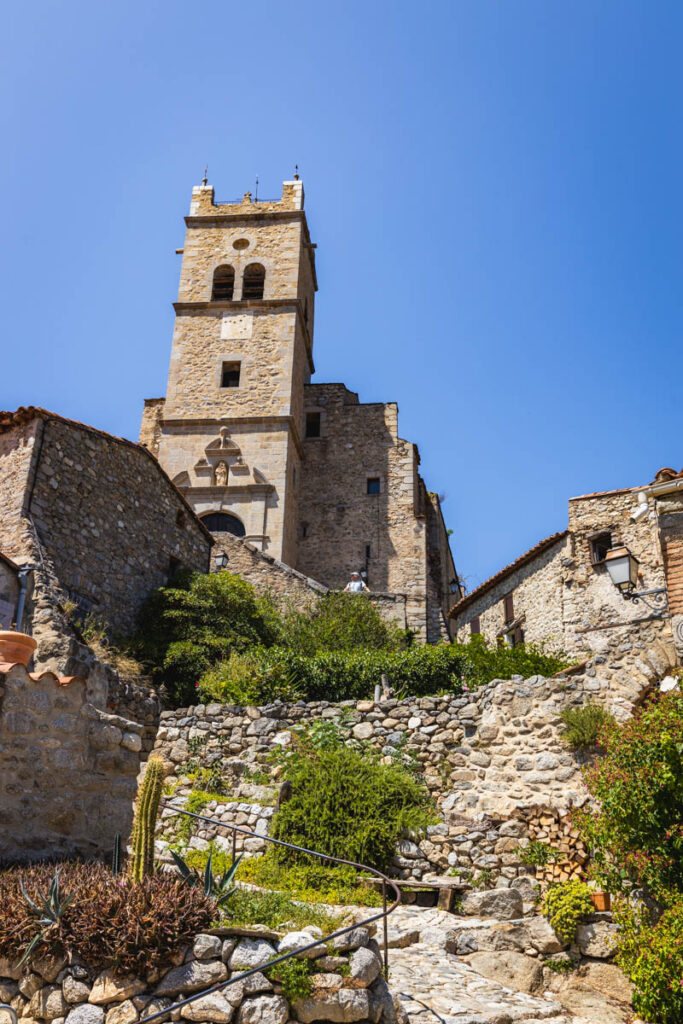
(341, 622)
(186, 628)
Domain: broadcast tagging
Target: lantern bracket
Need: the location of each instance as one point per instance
(659, 603)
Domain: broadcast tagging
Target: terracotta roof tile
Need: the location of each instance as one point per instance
(7, 666)
(524, 559)
(666, 474)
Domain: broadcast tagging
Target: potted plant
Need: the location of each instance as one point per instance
(16, 648)
(601, 900)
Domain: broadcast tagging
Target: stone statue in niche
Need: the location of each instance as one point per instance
(220, 475)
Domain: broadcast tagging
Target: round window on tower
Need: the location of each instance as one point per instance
(241, 243)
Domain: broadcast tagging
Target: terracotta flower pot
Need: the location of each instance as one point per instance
(16, 648)
(601, 900)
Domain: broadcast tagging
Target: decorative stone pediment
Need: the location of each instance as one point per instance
(182, 479)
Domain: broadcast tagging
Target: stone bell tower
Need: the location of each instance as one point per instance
(229, 432)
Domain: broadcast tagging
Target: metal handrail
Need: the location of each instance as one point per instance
(12, 1012)
(383, 914)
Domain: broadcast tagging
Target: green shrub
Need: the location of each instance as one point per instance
(566, 905)
(651, 955)
(559, 966)
(251, 677)
(201, 619)
(584, 725)
(536, 854)
(295, 978)
(487, 663)
(110, 921)
(275, 910)
(309, 882)
(348, 804)
(340, 622)
(633, 824)
(336, 675)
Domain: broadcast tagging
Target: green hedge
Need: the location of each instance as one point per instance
(279, 673)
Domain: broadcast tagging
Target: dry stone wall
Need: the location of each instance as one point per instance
(346, 984)
(493, 759)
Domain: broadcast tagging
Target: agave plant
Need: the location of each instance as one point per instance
(214, 886)
(48, 916)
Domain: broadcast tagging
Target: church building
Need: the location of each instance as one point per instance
(303, 472)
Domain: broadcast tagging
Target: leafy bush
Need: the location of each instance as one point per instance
(250, 678)
(652, 957)
(348, 804)
(295, 978)
(634, 825)
(132, 927)
(566, 905)
(339, 675)
(486, 663)
(310, 882)
(186, 628)
(536, 854)
(584, 725)
(340, 622)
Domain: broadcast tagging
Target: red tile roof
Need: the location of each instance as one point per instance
(524, 559)
(666, 474)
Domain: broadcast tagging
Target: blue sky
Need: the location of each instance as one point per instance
(495, 189)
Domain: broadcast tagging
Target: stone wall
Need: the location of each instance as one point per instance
(565, 599)
(536, 588)
(9, 592)
(346, 983)
(67, 768)
(99, 511)
(493, 759)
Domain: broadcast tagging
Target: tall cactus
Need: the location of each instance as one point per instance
(144, 823)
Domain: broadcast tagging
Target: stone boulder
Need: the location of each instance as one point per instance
(608, 979)
(341, 1007)
(296, 941)
(597, 939)
(213, 1007)
(264, 1010)
(86, 1013)
(365, 966)
(250, 953)
(514, 970)
(503, 904)
(192, 977)
(110, 988)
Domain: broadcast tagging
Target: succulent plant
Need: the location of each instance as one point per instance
(144, 823)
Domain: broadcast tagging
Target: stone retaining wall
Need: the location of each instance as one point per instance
(346, 984)
(493, 759)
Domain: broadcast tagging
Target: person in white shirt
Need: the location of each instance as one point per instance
(355, 584)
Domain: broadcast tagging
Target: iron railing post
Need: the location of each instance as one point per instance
(386, 929)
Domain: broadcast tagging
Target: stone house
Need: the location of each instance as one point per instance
(94, 513)
(305, 473)
(560, 593)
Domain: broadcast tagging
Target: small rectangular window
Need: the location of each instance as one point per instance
(475, 626)
(600, 544)
(373, 485)
(509, 608)
(312, 424)
(368, 552)
(230, 377)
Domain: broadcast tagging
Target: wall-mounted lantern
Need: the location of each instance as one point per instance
(220, 561)
(622, 567)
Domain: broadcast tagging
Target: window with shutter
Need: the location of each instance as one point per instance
(475, 626)
(509, 609)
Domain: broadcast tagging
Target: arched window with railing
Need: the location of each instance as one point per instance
(223, 284)
(253, 281)
(224, 522)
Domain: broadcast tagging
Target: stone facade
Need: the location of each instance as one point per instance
(68, 769)
(560, 593)
(243, 432)
(95, 511)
